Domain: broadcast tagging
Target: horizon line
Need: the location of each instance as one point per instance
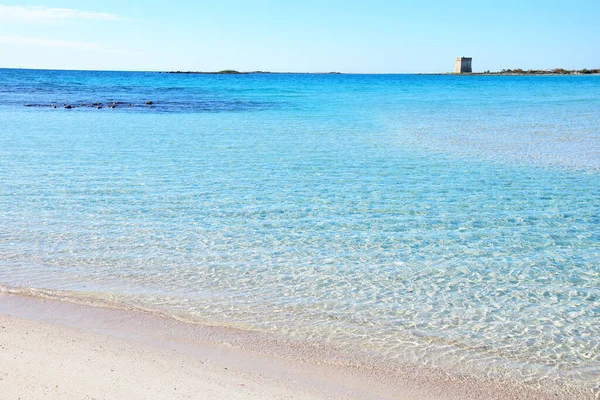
(266, 72)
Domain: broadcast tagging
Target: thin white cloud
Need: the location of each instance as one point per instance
(37, 14)
(53, 43)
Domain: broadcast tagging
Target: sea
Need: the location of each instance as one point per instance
(438, 220)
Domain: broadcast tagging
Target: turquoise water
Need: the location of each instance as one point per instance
(451, 221)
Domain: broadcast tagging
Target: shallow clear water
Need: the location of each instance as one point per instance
(447, 220)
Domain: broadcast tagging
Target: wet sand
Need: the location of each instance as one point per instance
(60, 350)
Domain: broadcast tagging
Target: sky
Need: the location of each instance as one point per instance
(377, 36)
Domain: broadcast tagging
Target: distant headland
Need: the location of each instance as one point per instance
(556, 71)
(464, 65)
(234, 72)
(224, 72)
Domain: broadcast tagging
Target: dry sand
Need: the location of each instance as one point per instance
(60, 350)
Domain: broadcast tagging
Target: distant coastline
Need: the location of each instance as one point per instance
(518, 71)
(234, 72)
(556, 71)
(503, 72)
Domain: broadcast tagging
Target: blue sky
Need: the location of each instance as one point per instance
(311, 36)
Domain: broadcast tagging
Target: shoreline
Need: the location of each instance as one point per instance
(283, 366)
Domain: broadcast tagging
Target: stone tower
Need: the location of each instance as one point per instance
(463, 65)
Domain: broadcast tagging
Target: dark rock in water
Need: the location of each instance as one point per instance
(68, 106)
(149, 103)
(28, 105)
(53, 105)
(112, 106)
(83, 105)
(99, 107)
(228, 72)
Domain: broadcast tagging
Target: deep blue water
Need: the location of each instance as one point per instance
(443, 220)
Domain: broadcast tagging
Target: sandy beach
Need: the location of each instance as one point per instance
(60, 350)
